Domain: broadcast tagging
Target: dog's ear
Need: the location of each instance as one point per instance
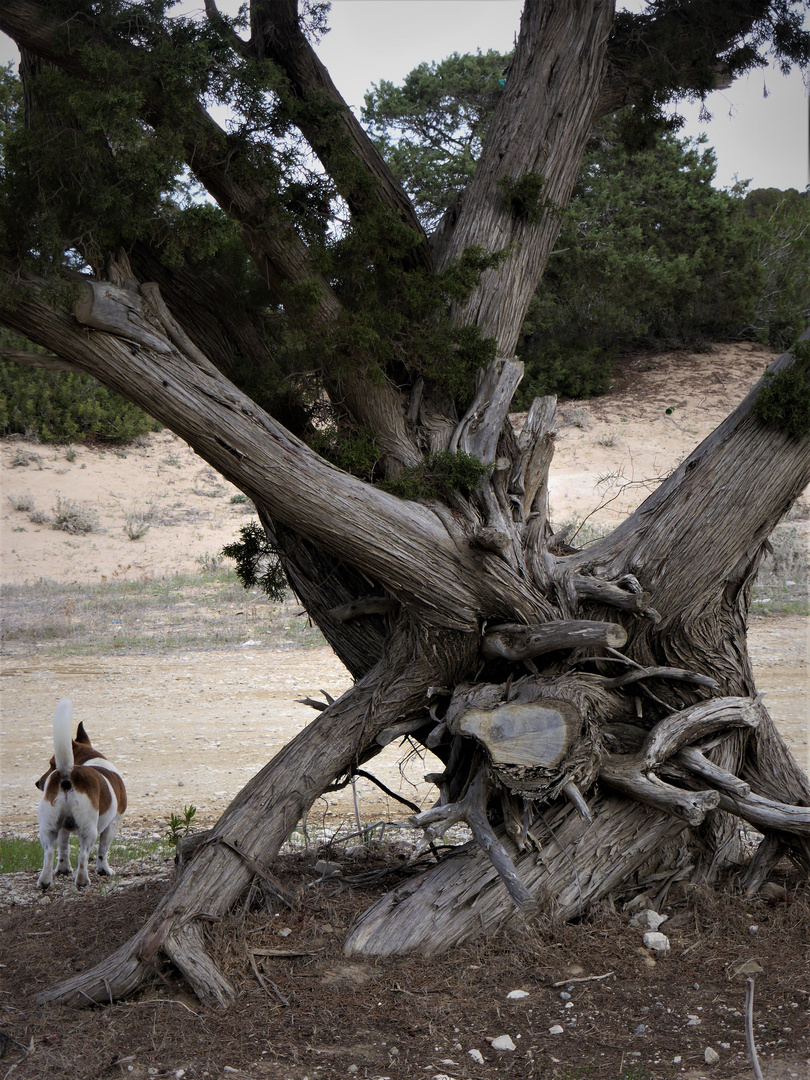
(81, 735)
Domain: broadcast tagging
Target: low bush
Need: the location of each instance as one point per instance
(65, 406)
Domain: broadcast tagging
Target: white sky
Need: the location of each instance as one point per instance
(756, 137)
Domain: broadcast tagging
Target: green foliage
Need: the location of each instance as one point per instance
(781, 253)
(524, 196)
(257, 561)
(63, 406)
(181, 826)
(431, 129)
(438, 476)
(650, 253)
(784, 400)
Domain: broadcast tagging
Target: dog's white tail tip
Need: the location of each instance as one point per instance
(62, 736)
(64, 711)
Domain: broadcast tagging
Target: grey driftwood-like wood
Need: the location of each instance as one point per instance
(695, 723)
(513, 642)
(691, 758)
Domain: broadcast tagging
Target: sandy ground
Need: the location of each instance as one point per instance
(194, 727)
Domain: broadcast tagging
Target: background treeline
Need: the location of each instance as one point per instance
(650, 255)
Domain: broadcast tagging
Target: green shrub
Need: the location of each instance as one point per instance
(783, 402)
(65, 406)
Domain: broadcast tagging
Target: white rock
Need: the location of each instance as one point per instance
(653, 940)
(693, 1021)
(477, 1056)
(648, 919)
(503, 1042)
(513, 995)
(556, 1030)
(710, 1056)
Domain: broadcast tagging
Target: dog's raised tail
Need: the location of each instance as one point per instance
(62, 739)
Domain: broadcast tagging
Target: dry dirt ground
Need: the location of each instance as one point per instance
(190, 726)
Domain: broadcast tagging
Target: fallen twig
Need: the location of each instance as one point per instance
(584, 978)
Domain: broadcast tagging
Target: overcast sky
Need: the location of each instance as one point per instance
(759, 128)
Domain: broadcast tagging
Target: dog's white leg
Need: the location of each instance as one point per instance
(48, 841)
(104, 841)
(63, 850)
(87, 837)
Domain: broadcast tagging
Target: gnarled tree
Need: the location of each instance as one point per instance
(594, 711)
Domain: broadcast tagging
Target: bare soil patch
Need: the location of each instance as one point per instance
(306, 1011)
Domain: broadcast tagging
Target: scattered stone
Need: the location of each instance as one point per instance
(648, 919)
(569, 1004)
(503, 1042)
(641, 1030)
(556, 1030)
(565, 996)
(710, 1056)
(753, 929)
(285, 932)
(328, 869)
(677, 1059)
(693, 1021)
(353, 1070)
(654, 940)
(477, 1056)
(515, 994)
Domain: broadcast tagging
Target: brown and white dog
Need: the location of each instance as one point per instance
(82, 793)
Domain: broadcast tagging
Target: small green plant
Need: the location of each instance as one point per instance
(524, 196)
(70, 453)
(22, 501)
(73, 517)
(21, 458)
(209, 563)
(138, 522)
(181, 826)
(238, 499)
(62, 406)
